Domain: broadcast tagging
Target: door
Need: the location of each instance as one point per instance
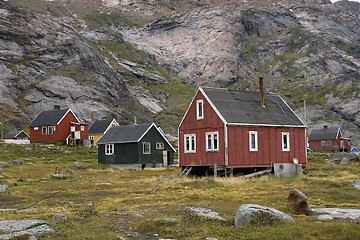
(166, 158)
(342, 145)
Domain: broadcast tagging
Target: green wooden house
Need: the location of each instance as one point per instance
(22, 135)
(135, 147)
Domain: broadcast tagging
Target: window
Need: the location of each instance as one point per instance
(54, 128)
(323, 143)
(199, 109)
(329, 142)
(146, 148)
(82, 128)
(44, 130)
(285, 141)
(36, 128)
(190, 143)
(109, 149)
(50, 130)
(253, 142)
(91, 137)
(159, 145)
(212, 143)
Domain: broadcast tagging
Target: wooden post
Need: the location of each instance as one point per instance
(206, 172)
(231, 172)
(215, 170)
(226, 175)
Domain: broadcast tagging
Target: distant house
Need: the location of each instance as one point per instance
(135, 146)
(58, 125)
(328, 139)
(239, 131)
(22, 135)
(99, 128)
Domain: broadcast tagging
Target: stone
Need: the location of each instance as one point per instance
(342, 158)
(28, 149)
(4, 189)
(87, 209)
(15, 162)
(58, 176)
(249, 212)
(1, 171)
(17, 228)
(298, 203)
(203, 213)
(4, 163)
(78, 165)
(337, 214)
(59, 218)
(356, 183)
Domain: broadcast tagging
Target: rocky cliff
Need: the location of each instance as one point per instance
(142, 58)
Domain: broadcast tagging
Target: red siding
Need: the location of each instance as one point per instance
(269, 146)
(315, 145)
(210, 123)
(83, 134)
(62, 131)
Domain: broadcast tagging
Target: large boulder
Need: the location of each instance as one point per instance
(19, 229)
(337, 214)
(249, 213)
(298, 203)
(4, 189)
(342, 158)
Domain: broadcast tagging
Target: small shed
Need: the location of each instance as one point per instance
(99, 128)
(135, 147)
(328, 139)
(354, 150)
(22, 135)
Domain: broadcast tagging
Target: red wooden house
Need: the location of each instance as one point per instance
(239, 131)
(58, 125)
(328, 139)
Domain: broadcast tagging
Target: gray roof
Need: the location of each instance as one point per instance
(125, 134)
(48, 118)
(243, 107)
(100, 126)
(324, 134)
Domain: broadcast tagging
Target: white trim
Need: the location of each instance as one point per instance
(212, 105)
(212, 137)
(287, 134)
(226, 145)
(191, 147)
(42, 130)
(153, 124)
(144, 144)
(304, 125)
(198, 117)
(253, 149)
(52, 130)
(69, 110)
(36, 128)
(109, 151)
(264, 125)
(338, 134)
(160, 145)
(110, 125)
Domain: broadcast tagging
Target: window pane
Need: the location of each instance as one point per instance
(209, 142)
(215, 142)
(285, 141)
(200, 109)
(192, 143)
(187, 144)
(253, 141)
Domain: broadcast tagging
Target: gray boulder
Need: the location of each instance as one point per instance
(4, 189)
(15, 162)
(1, 171)
(337, 214)
(342, 158)
(298, 203)
(203, 213)
(58, 176)
(16, 228)
(248, 213)
(59, 218)
(356, 183)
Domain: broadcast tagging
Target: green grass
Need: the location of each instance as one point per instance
(140, 201)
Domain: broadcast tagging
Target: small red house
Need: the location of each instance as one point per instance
(58, 125)
(328, 139)
(239, 130)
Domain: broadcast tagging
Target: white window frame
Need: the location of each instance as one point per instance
(287, 147)
(192, 143)
(82, 128)
(199, 109)
(253, 149)
(36, 128)
(91, 137)
(149, 146)
(52, 130)
(109, 149)
(329, 142)
(42, 130)
(323, 143)
(159, 145)
(210, 147)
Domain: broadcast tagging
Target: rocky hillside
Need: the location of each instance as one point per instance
(142, 58)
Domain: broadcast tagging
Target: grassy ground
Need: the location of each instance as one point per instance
(134, 204)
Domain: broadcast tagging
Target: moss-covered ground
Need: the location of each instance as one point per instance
(135, 204)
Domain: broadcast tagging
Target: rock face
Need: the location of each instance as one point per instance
(249, 212)
(17, 228)
(298, 203)
(343, 158)
(59, 217)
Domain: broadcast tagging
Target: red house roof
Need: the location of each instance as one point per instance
(50, 118)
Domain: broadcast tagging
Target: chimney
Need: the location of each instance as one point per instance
(261, 83)
(56, 107)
